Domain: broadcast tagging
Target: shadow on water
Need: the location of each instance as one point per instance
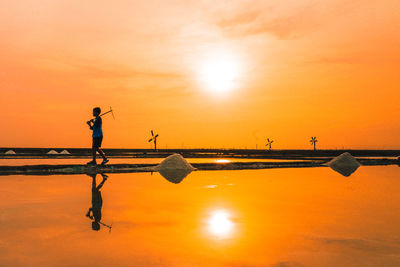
(346, 171)
(174, 176)
(94, 212)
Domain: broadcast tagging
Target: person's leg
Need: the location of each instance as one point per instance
(94, 149)
(101, 153)
(105, 160)
(93, 181)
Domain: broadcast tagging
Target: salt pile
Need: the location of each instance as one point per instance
(345, 164)
(65, 152)
(10, 152)
(52, 152)
(174, 162)
(174, 168)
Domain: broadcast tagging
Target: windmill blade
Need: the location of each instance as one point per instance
(156, 136)
(151, 139)
(272, 141)
(152, 134)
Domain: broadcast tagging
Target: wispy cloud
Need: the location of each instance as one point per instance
(369, 245)
(286, 264)
(295, 20)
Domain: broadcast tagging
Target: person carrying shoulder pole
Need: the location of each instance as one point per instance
(95, 125)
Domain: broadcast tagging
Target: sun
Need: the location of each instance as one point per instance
(220, 224)
(219, 72)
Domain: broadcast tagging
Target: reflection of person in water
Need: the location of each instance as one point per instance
(97, 202)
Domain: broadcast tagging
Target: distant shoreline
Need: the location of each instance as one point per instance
(30, 153)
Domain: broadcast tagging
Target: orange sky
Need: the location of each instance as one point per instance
(300, 68)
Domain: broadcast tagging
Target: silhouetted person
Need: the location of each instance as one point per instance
(95, 125)
(97, 202)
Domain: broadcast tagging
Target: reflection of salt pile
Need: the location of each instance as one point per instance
(52, 152)
(65, 152)
(10, 152)
(345, 164)
(174, 168)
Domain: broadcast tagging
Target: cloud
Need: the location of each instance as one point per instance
(339, 60)
(289, 22)
(286, 264)
(144, 224)
(242, 18)
(276, 264)
(254, 23)
(107, 70)
(369, 245)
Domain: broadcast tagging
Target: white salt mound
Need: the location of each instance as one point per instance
(52, 152)
(174, 168)
(10, 152)
(345, 164)
(65, 152)
(174, 162)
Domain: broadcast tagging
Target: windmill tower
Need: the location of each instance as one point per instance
(153, 139)
(269, 143)
(313, 141)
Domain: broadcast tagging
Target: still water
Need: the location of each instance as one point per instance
(19, 162)
(276, 217)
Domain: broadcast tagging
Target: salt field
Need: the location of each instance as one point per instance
(37, 161)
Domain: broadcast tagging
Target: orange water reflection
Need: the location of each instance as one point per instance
(292, 217)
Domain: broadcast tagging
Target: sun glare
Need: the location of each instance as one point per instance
(220, 224)
(219, 72)
(222, 161)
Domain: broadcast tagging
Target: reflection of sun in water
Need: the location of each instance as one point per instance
(219, 72)
(222, 161)
(219, 224)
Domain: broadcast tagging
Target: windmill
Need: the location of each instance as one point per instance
(313, 141)
(269, 143)
(153, 139)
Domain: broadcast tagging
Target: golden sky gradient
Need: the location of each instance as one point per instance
(295, 69)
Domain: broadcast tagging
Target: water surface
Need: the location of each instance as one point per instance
(18, 162)
(275, 217)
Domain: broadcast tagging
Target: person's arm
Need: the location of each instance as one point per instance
(90, 124)
(97, 123)
(88, 213)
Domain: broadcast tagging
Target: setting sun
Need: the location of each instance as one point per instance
(219, 72)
